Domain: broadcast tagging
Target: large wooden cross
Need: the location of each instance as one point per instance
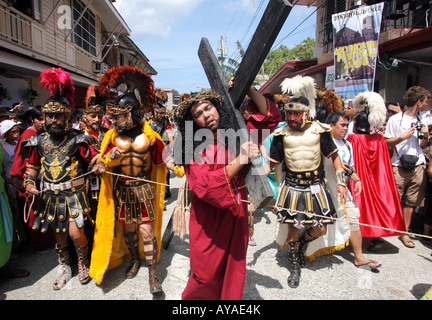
(268, 29)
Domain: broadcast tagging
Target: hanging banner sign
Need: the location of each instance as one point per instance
(356, 36)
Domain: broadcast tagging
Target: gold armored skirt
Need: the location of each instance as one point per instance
(305, 204)
(62, 207)
(134, 201)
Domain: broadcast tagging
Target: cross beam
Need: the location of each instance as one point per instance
(272, 21)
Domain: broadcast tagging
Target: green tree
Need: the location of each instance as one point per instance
(276, 58)
(304, 50)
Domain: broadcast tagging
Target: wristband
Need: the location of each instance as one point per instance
(340, 177)
(28, 179)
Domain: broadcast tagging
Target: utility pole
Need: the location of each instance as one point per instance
(222, 51)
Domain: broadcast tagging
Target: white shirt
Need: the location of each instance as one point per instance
(396, 126)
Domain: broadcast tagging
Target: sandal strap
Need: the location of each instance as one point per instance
(64, 278)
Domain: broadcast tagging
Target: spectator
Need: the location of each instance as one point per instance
(351, 113)
(427, 219)
(408, 135)
(6, 233)
(4, 113)
(425, 112)
(9, 131)
(37, 240)
(337, 235)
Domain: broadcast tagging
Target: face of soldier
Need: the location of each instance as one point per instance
(295, 119)
(122, 122)
(159, 114)
(55, 123)
(93, 120)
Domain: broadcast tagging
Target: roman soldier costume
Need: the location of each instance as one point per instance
(303, 200)
(93, 113)
(61, 156)
(162, 125)
(136, 190)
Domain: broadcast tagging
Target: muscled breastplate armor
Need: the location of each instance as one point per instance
(133, 198)
(302, 150)
(136, 161)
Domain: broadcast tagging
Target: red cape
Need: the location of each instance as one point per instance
(379, 201)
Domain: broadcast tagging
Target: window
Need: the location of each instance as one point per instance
(84, 34)
(333, 6)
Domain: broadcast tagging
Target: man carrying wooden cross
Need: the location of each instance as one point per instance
(218, 227)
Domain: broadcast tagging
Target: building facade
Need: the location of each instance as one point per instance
(84, 37)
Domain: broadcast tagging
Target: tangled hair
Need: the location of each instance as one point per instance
(183, 144)
(414, 94)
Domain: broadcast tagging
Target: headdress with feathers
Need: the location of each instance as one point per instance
(327, 101)
(330, 100)
(281, 98)
(301, 86)
(61, 88)
(138, 84)
(161, 97)
(374, 107)
(93, 103)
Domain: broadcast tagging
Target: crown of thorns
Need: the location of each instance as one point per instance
(211, 96)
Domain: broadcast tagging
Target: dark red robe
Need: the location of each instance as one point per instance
(378, 202)
(218, 224)
(218, 231)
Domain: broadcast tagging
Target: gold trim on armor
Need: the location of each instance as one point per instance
(55, 107)
(117, 109)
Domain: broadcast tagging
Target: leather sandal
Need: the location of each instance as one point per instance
(409, 243)
(64, 267)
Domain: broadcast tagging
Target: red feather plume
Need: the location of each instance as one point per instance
(90, 96)
(59, 84)
(134, 78)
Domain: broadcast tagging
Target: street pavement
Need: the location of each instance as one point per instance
(405, 273)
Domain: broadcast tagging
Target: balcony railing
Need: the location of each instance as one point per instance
(15, 26)
(19, 29)
(412, 15)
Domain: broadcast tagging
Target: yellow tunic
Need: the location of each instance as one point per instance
(109, 248)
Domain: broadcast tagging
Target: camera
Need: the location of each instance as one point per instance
(418, 127)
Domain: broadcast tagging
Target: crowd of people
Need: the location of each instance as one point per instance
(95, 178)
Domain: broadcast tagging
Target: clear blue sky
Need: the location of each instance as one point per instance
(168, 32)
